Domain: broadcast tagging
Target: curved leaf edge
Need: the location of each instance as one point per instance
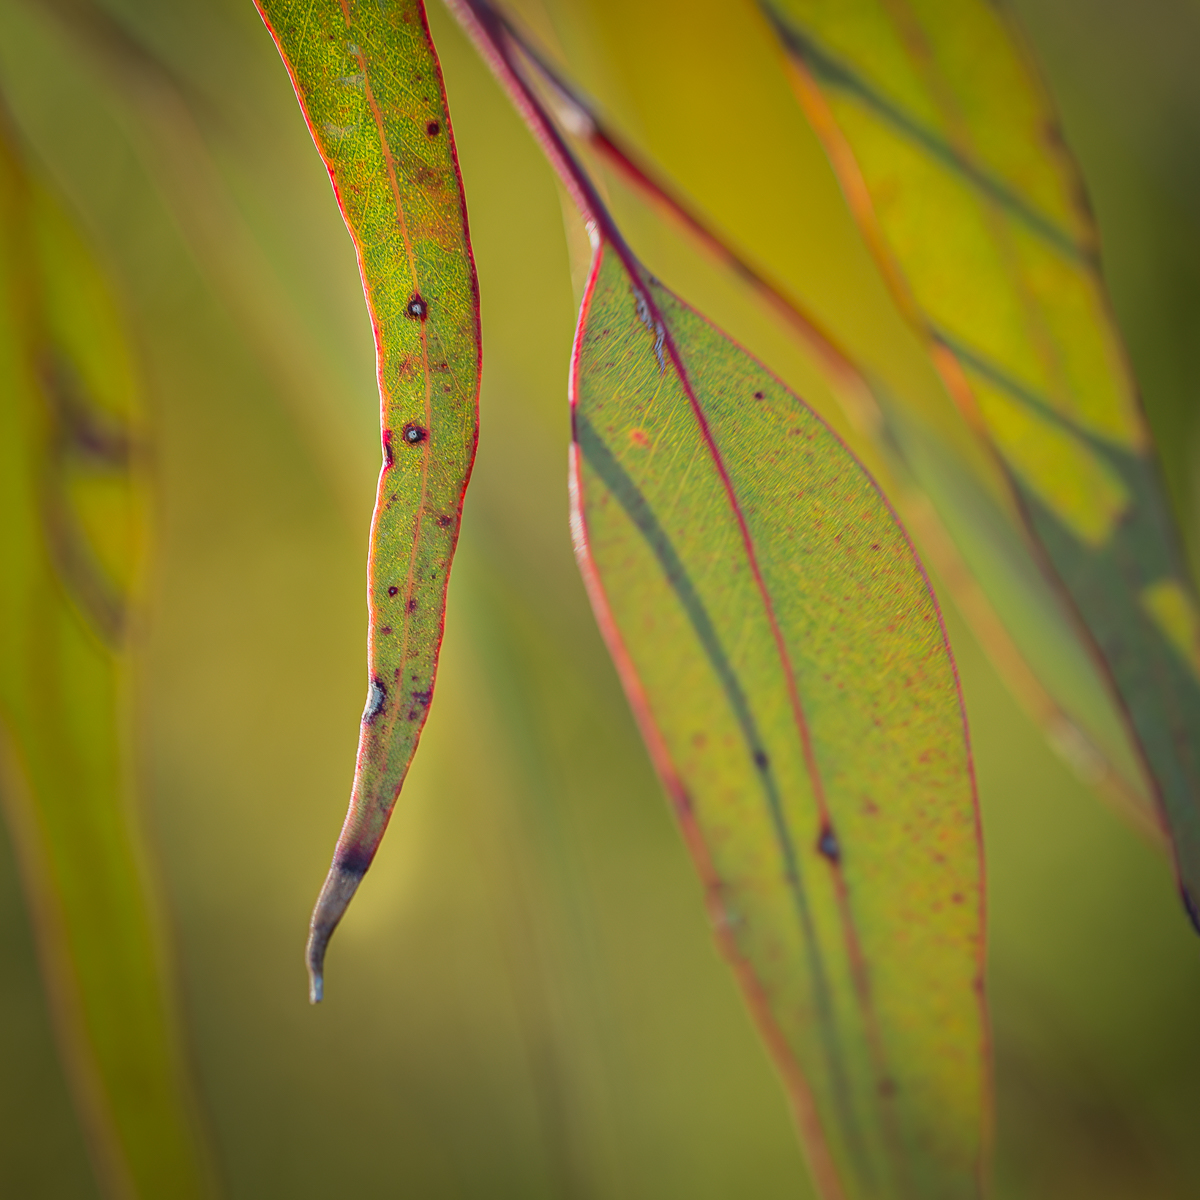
(356, 847)
(818, 1154)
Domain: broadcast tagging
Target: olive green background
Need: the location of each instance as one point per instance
(524, 1000)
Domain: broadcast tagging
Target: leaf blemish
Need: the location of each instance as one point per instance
(433, 129)
(376, 699)
(414, 435)
(393, 590)
(760, 760)
(827, 845)
(412, 604)
(654, 327)
(417, 308)
(1189, 905)
(388, 454)
(445, 521)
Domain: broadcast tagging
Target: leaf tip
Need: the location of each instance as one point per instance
(340, 885)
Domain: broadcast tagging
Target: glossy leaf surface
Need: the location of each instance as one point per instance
(951, 158)
(785, 656)
(72, 514)
(369, 83)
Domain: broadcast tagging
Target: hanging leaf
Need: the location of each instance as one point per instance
(368, 80)
(783, 653)
(952, 161)
(72, 515)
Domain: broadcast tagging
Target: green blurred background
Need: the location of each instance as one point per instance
(524, 1000)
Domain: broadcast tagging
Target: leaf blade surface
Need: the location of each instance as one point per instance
(368, 80)
(784, 655)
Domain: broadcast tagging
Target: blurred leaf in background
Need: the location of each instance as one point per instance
(952, 160)
(72, 528)
(531, 1004)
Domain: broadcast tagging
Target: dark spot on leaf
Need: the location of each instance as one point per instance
(388, 453)
(761, 760)
(445, 521)
(827, 844)
(376, 699)
(414, 435)
(758, 395)
(1190, 906)
(417, 308)
(423, 698)
(386, 630)
(354, 861)
(433, 129)
(412, 604)
(393, 590)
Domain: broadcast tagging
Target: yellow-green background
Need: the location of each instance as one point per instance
(524, 1000)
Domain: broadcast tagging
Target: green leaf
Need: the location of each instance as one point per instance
(72, 517)
(368, 80)
(784, 655)
(952, 161)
